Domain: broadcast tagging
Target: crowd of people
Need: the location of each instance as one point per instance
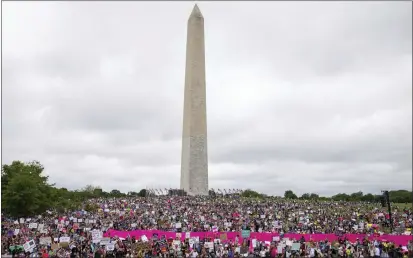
(83, 233)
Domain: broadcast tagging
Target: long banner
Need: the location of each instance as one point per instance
(225, 236)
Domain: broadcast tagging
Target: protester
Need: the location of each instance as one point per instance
(84, 233)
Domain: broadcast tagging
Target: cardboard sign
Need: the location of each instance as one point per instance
(64, 244)
(223, 237)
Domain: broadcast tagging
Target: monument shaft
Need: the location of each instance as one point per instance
(194, 163)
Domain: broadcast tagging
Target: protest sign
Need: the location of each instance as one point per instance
(295, 246)
(105, 241)
(279, 249)
(45, 240)
(64, 239)
(32, 225)
(245, 233)
(176, 244)
(110, 247)
(64, 244)
(223, 236)
(96, 236)
(29, 246)
(209, 245)
(254, 243)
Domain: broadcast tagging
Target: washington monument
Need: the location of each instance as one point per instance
(194, 160)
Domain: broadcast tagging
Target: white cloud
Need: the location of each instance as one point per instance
(313, 97)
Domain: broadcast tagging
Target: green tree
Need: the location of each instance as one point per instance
(25, 191)
(368, 198)
(98, 192)
(356, 196)
(341, 197)
(133, 194)
(305, 196)
(290, 195)
(401, 196)
(142, 193)
(116, 193)
(314, 196)
(251, 194)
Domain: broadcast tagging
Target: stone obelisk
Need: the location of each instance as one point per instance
(194, 162)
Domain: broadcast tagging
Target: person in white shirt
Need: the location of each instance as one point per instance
(194, 254)
(312, 252)
(376, 251)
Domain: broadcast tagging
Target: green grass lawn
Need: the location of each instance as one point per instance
(403, 205)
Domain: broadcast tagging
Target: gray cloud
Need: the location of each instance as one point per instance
(313, 97)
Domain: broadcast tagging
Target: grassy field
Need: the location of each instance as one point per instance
(402, 205)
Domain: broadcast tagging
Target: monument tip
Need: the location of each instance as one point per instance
(196, 12)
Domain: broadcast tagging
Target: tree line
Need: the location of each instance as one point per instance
(399, 196)
(26, 191)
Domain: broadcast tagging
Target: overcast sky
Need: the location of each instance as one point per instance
(307, 96)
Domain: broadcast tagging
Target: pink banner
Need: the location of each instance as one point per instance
(399, 240)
